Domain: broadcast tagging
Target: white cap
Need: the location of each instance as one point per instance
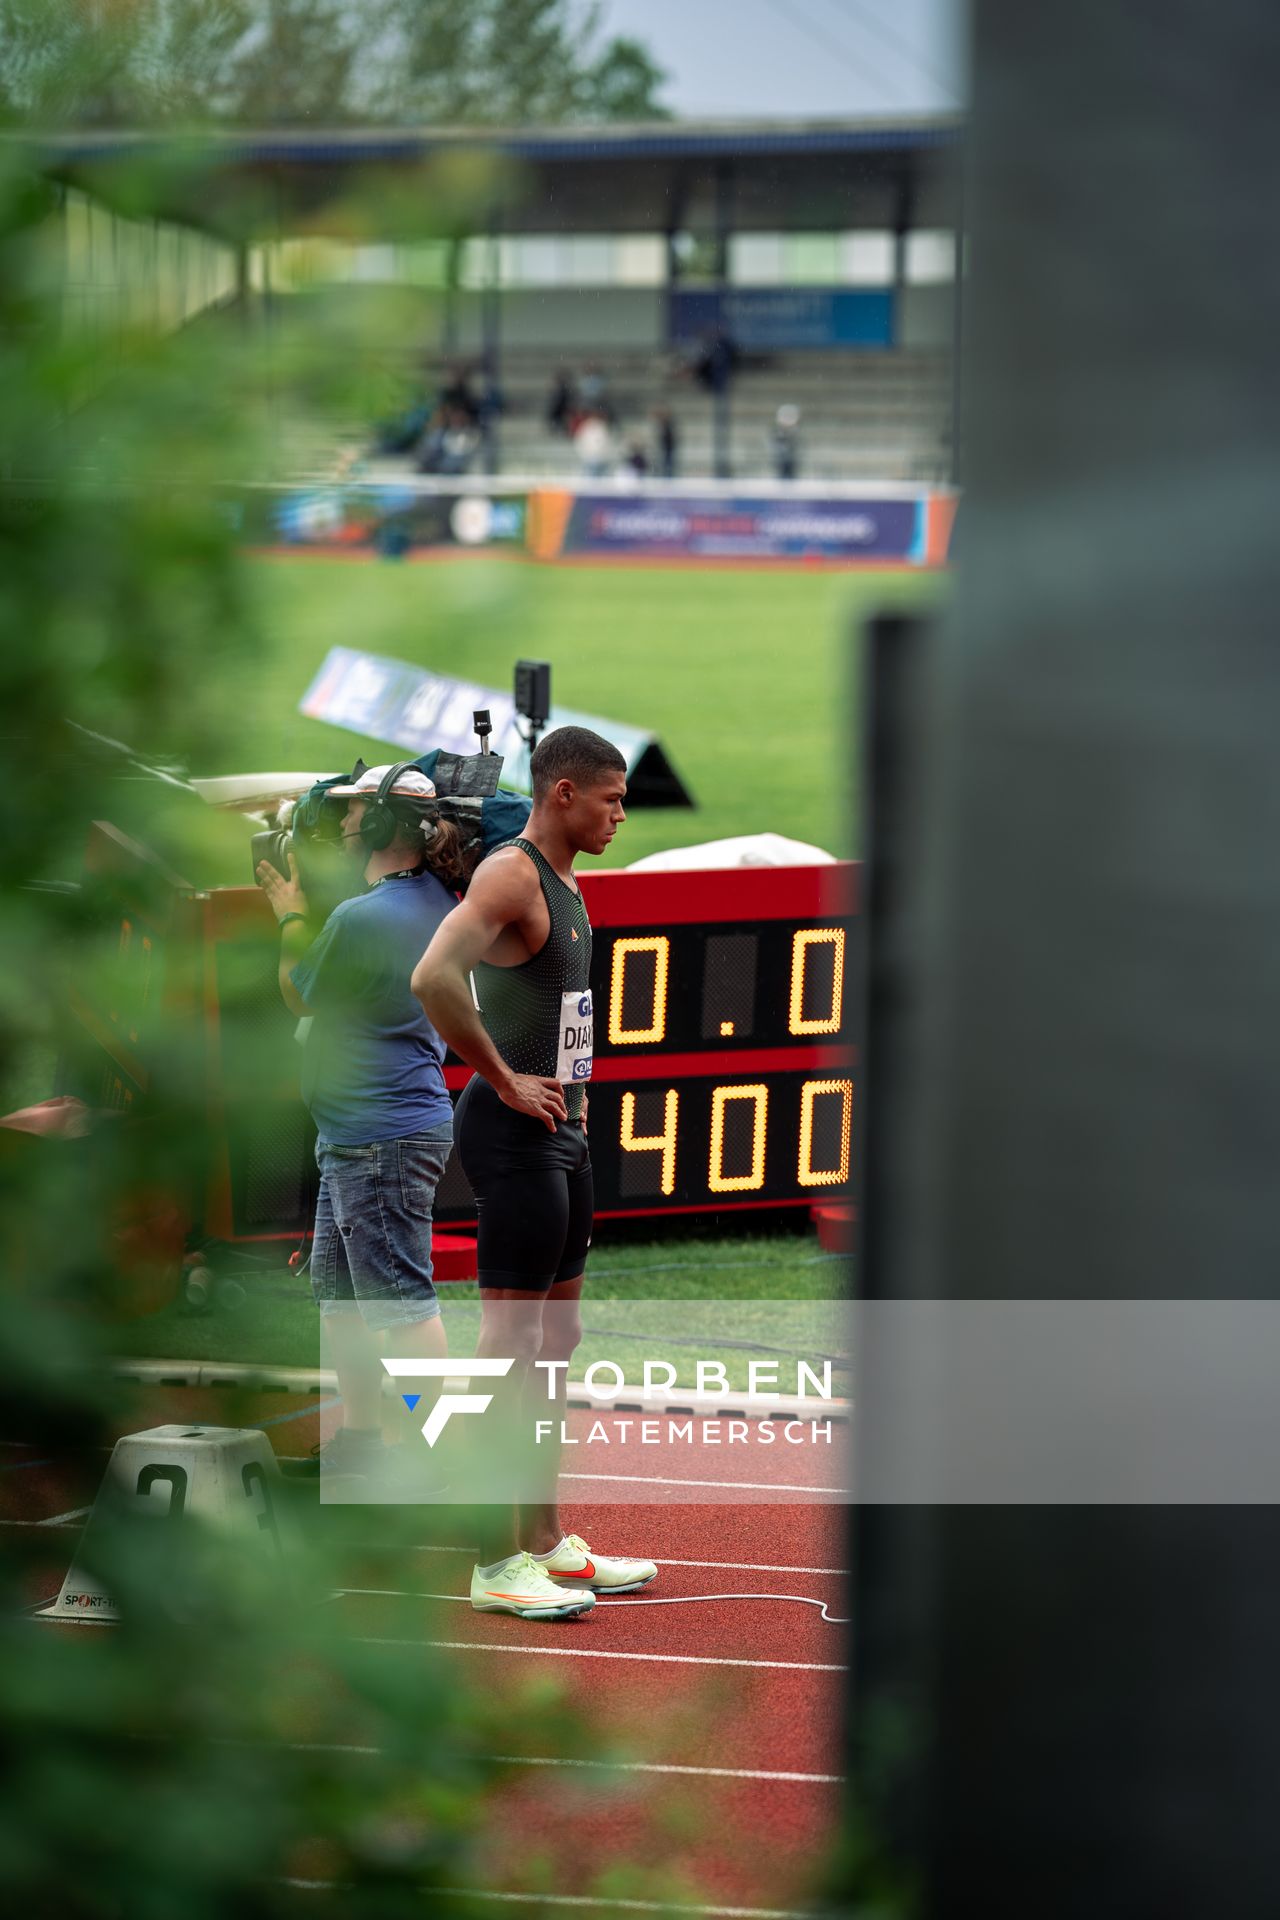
(412, 784)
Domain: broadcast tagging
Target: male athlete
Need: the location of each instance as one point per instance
(523, 933)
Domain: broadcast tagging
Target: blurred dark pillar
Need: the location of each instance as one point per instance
(491, 347)
(957, 333)
(449, 309)
(1077, 1084)
(243, 293)
(722, 394)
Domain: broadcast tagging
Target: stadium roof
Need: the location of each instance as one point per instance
(763, 176)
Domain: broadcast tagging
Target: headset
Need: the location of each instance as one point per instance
(379, 822)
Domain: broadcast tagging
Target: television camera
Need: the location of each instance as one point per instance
(466, 785)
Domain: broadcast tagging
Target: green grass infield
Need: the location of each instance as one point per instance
(748, 677)
(275, 1322)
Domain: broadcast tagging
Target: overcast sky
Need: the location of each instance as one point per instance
(801, 58)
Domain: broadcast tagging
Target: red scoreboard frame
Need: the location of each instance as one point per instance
(721, 1080)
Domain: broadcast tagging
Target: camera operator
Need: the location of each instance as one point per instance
(373, 1081)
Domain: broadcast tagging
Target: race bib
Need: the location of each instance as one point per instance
(573, 1062)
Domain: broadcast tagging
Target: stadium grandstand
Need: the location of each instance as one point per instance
(787, 294)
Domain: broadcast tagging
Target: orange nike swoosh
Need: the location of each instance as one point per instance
(584, 1573)
(522, 1599)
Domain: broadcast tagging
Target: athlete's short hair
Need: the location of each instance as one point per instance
(573, 753)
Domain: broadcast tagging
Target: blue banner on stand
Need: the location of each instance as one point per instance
(742, 527)
(774, 319)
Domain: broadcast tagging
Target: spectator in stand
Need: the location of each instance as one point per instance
(562, 405)
(717, 362)
(785, 441)
(593, 444)
(458, 395)
(593, 393)
(450, 443)
(636, 459)
(667, 441)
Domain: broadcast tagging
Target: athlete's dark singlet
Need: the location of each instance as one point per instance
(532, 1183)
(524, 1008)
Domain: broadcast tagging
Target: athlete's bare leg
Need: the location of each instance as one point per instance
(539, 1528)
(510, 1328)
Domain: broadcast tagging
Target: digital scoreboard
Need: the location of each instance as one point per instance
(722, 1077)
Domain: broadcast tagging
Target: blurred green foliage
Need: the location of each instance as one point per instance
(228, 1742)
(131, 63)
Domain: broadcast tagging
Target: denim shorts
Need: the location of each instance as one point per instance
(373, 1227)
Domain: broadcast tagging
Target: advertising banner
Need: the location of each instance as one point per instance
(417, 710)
(906, 525)
(746, 527)
(776, 319)
(388, 519)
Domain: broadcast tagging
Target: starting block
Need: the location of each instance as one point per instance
(226, 1476)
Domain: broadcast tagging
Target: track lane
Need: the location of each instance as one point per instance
(740, 1842)
(746, 1840)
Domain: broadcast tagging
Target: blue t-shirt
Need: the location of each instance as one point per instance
(372, 1064)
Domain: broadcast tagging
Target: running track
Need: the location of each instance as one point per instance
(727, 1709)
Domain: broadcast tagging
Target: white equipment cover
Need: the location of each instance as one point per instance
(255, 792)
(743, 850)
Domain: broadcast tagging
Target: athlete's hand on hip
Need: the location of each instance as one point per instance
(540, 1099)
(284, 896)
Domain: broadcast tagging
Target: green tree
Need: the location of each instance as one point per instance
(101, 63)
(105, 63)
(295, 65)
(625, 82)
(494, 62)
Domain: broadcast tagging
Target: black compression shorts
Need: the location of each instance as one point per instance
(535, 1199)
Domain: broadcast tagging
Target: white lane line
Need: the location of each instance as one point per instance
(612, 1603)
(60, 1519)
(598, 1653)
(654, 1766)
(26, 1523)
(633, 1906)
(732, 1486)
(593, 1900)
(600, 1766)
(638, 1906)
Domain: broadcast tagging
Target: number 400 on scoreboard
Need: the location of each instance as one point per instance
(723, 1076)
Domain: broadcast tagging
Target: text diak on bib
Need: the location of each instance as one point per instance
(577, 1027)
